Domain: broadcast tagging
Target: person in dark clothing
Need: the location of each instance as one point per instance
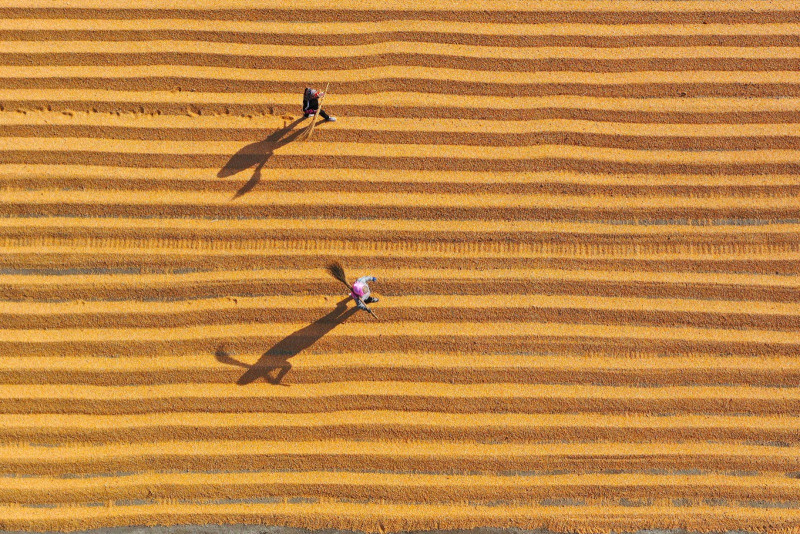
(311, 104)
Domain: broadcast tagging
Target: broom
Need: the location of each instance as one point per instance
(337, 271)
(307, 136)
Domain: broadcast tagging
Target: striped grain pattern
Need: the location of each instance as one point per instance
(584, 220)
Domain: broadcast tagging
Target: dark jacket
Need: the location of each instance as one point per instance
(310, 101)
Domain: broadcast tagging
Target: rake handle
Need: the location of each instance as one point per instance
(314, 120)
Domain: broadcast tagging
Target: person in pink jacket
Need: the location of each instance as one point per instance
(360, 292)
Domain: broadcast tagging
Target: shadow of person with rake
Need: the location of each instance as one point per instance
(258, 154)
(278, 356)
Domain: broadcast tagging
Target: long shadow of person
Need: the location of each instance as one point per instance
(277, 357)
(258, 154)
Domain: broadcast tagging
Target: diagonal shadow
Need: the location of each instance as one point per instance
(257, 154)
(277, 357)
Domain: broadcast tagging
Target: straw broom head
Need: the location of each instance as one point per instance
(337, 271)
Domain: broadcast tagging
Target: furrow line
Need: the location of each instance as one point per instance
(415, 456)
(593, 6)
(362, 184)
(514, 308)
(764, 84)
(412, 104)
(394, 281)
(386, 178)
(518, 13)
(235, 128)
(62, 263)
(481, 245)
(166, 48)
(394, 488)
(497, 61)
(691, 139)
(467, 368)
(206, 259)
(543, 158)
(497, 155)
(444, 398)
(242, 106)
(404, 299)
(411, 74)
(395, 426)
(608, 343)
(316, 273)
(283, 180)
(155, 26)
(245, 208)
(498, 314)
(395, 101)
(320, 514)
(348, 34)
(775, 232)
(255, 407)
(487, 202)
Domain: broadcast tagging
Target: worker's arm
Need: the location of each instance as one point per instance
(364, 279)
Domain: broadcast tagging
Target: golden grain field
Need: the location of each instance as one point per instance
(584, 220)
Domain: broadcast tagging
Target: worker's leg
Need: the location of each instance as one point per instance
(324, 115)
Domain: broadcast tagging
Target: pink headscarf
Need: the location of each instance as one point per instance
(359, 289)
